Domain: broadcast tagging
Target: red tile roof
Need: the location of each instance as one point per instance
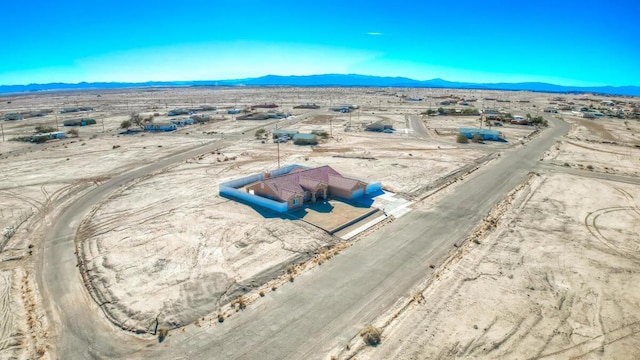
(299, 179)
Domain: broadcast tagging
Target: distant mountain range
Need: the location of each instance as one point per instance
(332, 80)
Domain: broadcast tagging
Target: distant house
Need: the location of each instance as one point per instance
(305, 139)
(519, 120)
(379, 126)
(265, 106)
(307, 106)
(278, 133)
(307, 185)
(79, 122)
(550, 110)
(69, 110)
(200, 118)
(486, 134)
(47, 136)
(234, 111)
(160, 127)
(253, 116)
(182, 122)
(179, 111)
(13, 117)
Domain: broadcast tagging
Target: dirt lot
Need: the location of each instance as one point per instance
(551, 282)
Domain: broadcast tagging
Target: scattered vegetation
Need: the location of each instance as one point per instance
(461, 139)
(73, 132)
(41, 129)
(477, 138)
(125, 124)
(260, 133)
(537, 120)
(371, 335)
(162, 333)
(240, 303)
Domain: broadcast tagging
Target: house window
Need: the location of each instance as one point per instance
(295, 201)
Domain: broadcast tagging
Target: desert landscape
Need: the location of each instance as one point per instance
(153, 251)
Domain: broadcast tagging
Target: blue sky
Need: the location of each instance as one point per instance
(588, 42)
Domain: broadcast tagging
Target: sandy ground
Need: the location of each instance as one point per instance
(178, 253)
(551, 282)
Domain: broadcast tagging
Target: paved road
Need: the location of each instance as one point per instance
(329, 305)
(320, 309)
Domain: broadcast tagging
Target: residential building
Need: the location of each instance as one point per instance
(307, 185)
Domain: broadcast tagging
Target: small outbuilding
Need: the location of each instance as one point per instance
(486, 134)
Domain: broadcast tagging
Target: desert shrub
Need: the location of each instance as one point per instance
(162, 334)
(125, 124)
(260, 133)
(73, 132)
(477, 138)
(371, 335)
(590, 167)
(461, 139)
(40, 129)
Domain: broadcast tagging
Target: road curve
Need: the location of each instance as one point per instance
(322, 308)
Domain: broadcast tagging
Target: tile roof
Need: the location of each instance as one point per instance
(299, 179)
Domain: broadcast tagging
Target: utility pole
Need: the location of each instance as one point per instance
(2, 128)
(102, 123)
(57, 129)
(331, 127)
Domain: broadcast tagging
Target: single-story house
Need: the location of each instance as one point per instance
(302, 185)
(179, 111)
(379, 126)
(160, 127)
(278, 133)
(182, 122)
(307, 106)
(13, 117)
(80, 122)
(47, 136)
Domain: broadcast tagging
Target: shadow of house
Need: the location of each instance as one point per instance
(307, 185)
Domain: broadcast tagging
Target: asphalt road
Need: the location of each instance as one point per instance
(302, 320)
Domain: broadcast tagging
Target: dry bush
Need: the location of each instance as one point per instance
(220, 318)
(371, 335)
(461, 139)
(162, 334)
(240, 302)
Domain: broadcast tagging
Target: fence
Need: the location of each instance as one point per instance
(373, 187)
(230, 189)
